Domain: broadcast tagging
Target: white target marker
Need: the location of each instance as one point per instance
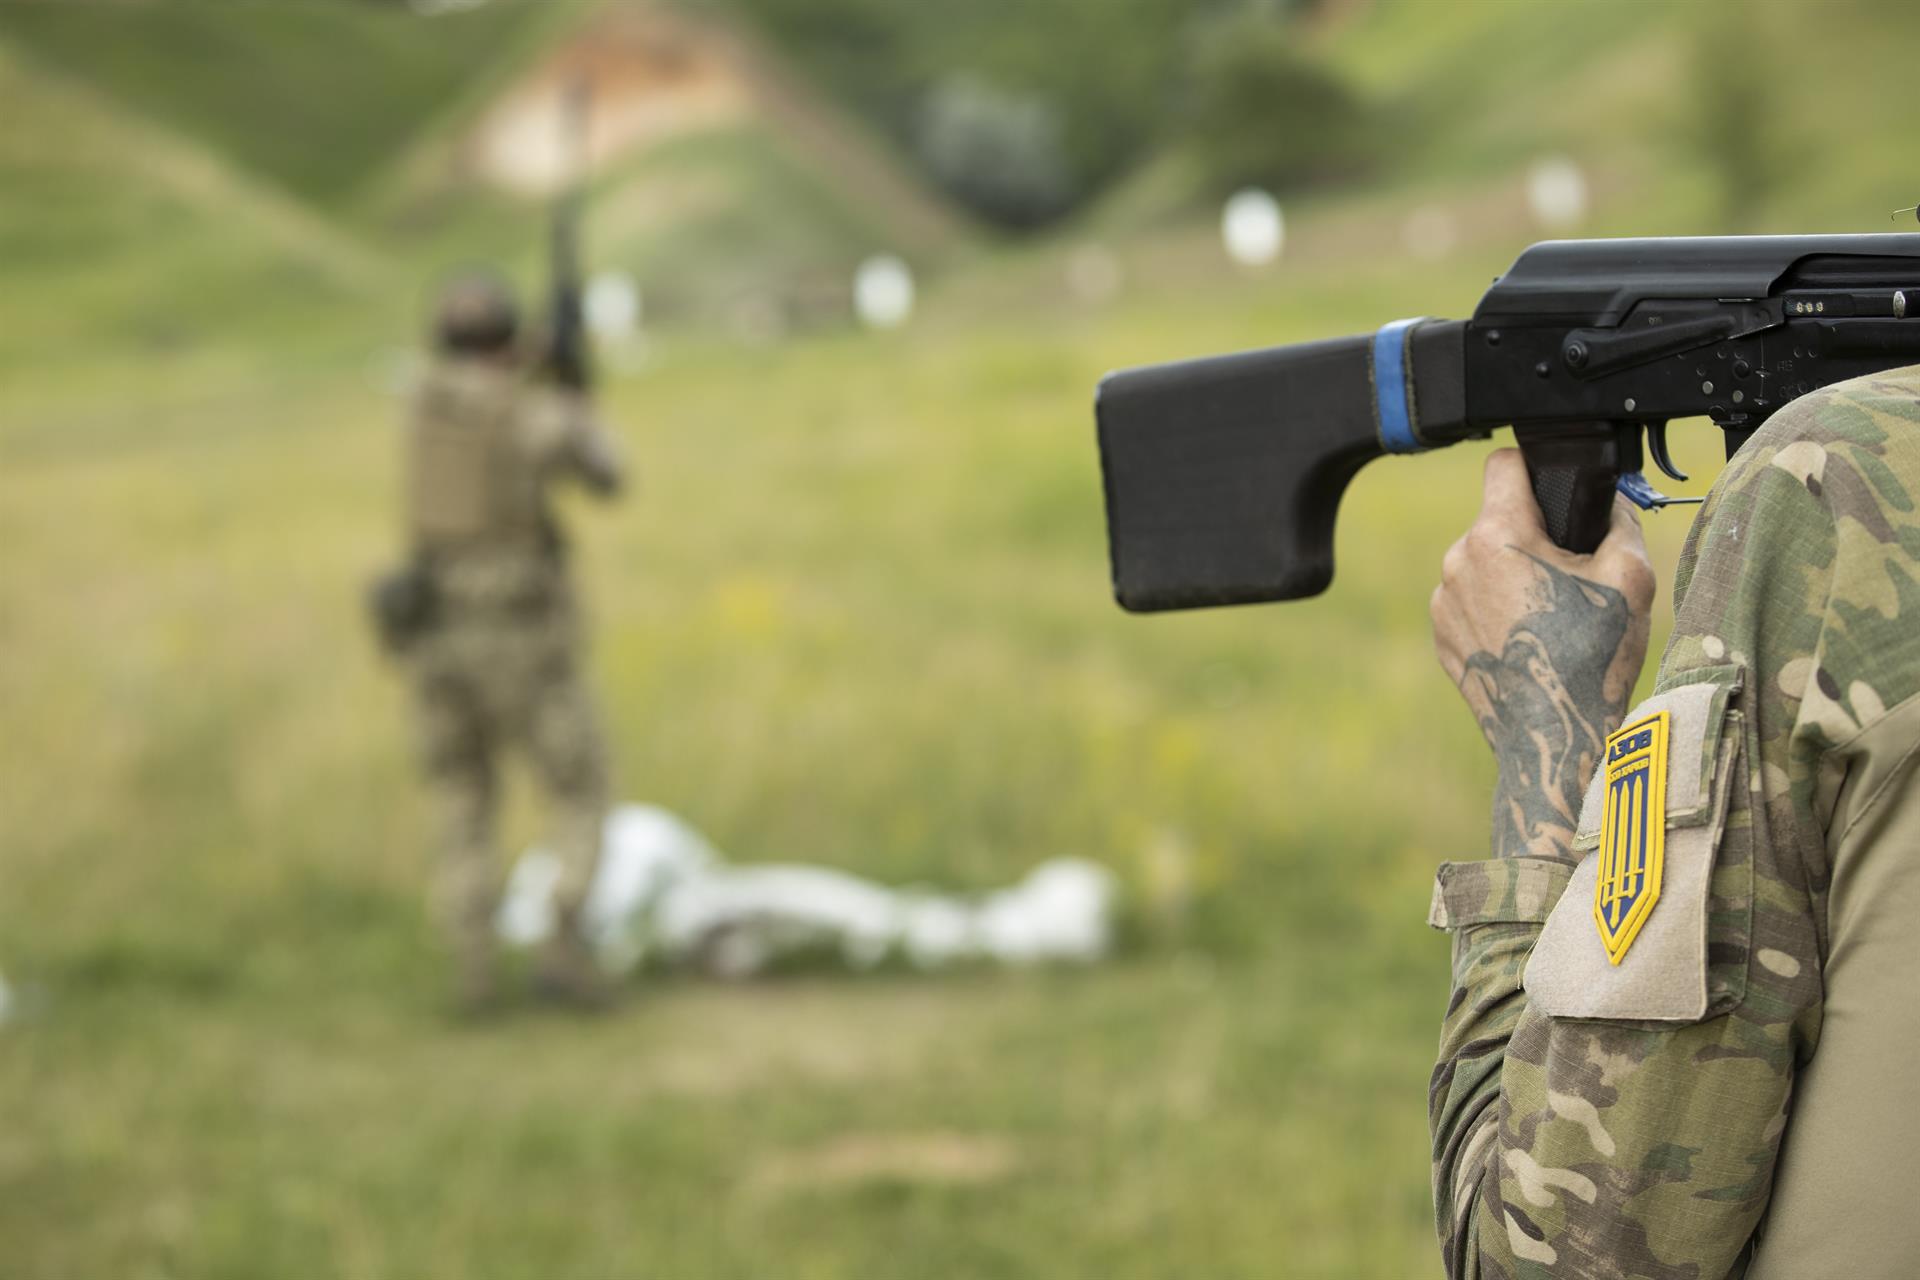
(612, 305)
(1252, 227)
(1557, 192)
(883, 292)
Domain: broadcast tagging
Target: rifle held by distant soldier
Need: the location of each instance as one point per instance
(566, 358)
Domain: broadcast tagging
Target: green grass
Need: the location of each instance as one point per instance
(857, 615)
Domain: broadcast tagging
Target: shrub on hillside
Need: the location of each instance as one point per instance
(1020, 110)
(1024, 110)
(997, 151)
(1260, 113)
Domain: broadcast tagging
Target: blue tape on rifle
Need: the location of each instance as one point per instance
(1390, 387)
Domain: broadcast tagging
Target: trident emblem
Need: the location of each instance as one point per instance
(1633, 829)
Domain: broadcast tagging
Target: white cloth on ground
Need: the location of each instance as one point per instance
(662, 889)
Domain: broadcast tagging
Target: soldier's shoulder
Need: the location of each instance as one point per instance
(1814, 542)
(1873, 412)
(1853, 447)
(1812, 535)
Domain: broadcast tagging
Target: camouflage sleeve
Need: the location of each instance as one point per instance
(562, 430)
(1566, 1143)
(1591, 1147)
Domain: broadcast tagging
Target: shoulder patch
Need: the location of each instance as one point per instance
(1659, 972)
(1633, 828)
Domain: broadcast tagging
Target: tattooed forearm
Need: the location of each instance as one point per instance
(1545, 646)
(1546, 704)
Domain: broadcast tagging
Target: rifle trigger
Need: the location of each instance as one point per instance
(1657, 446)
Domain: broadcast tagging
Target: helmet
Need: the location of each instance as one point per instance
(476, 313)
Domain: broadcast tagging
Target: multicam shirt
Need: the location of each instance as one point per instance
(484, 448)
(1737, 1096)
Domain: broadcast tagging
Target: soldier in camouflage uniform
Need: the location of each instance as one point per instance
(495, 651)
(1735, 1095)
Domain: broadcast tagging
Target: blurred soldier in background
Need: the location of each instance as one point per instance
(1682, 1032)
(483, 618)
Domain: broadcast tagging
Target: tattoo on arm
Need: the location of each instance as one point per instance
(1545, 709)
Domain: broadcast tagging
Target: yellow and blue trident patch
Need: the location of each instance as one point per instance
(1633, 831)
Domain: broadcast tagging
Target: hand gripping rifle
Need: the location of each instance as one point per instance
(1223, 475)
(565, 358)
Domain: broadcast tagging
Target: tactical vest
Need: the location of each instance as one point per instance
(470, 483)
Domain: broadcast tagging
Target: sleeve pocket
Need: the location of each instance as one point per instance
(1663, 975)
(1496, 891)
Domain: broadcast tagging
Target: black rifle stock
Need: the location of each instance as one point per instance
(1223, 475)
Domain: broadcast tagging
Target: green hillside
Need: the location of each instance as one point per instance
(195, 163)
(317, 98)
(1434, 88)
(125, 242)
(1780, 100)
(719, 219)
(1718, 113)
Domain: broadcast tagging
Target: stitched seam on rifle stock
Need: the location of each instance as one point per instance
(1373, 387)
(1406, 377)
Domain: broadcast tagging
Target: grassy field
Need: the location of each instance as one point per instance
(857, 614)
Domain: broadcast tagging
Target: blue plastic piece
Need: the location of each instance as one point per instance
(1390, 387)
(1640, 493)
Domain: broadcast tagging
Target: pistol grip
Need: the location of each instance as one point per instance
(1574, 470)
